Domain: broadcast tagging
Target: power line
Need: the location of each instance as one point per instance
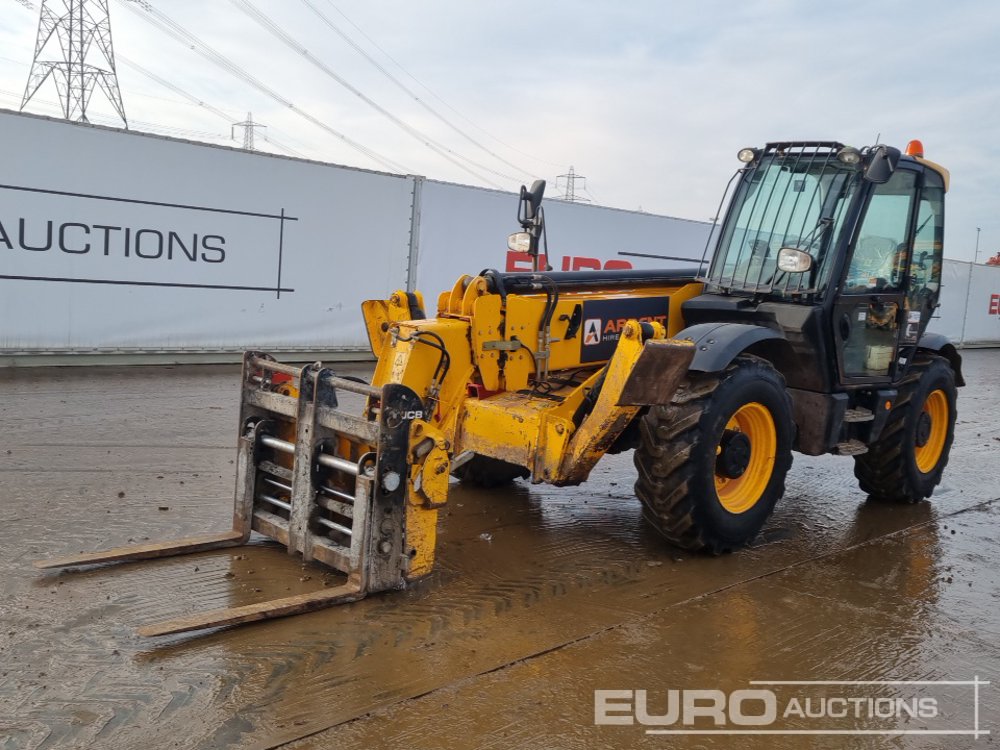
(98, 119)
(412, 94)
(170, 27)
(277, 31)
(176, 89)
(79, 26)
(199, 102)
(432, 93)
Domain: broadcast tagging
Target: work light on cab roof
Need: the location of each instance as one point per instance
(849, 155)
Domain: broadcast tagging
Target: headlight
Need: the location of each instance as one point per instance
(793, 260)
(747, 155)
(519, 242)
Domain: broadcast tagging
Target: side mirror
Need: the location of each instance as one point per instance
(531, 217)
(793, 260)
(881, 164)
(530, 201)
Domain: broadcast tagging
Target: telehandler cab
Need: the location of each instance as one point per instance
(806, 332)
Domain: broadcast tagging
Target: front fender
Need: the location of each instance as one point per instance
(718, 344)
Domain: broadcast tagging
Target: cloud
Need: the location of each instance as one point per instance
(649, 100)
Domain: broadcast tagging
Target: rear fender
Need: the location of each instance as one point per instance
(940, 344)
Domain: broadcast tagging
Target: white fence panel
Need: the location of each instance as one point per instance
(954, 289)
(123, 242)
(464, 230)
(982, 322)
(970, 304)
(120, 241)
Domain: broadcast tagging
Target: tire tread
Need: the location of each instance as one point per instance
(670, 438)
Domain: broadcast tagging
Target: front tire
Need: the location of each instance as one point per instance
(712, 463)
(905, 464)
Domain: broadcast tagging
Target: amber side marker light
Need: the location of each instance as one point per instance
(915, 148)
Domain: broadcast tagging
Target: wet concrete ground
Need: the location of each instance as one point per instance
(541, 596)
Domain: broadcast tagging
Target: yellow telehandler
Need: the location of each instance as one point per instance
(805, 331)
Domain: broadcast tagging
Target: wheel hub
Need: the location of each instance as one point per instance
(923, 429)
(734, 454)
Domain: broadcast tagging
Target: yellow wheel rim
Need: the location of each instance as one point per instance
(928, 454)
(742, 493)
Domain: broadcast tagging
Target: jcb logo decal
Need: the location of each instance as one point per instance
(396, 417)
(592, 332)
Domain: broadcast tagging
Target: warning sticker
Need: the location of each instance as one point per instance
(604, 320)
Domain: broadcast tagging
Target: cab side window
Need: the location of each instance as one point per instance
(880, 251)
(928, 244)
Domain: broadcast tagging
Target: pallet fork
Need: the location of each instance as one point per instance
(328, 485)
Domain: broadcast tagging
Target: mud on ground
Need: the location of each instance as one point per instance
(541, 595)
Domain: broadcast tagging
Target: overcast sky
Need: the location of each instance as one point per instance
(649, 100)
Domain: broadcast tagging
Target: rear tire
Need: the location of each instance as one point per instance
(905, 464)
(483, 471)
(686, 461)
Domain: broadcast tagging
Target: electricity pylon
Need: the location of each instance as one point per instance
(86, 56)
(570, 193)
(249, 126)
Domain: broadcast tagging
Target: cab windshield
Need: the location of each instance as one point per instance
(791, 199)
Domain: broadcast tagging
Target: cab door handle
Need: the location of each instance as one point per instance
(844, 326)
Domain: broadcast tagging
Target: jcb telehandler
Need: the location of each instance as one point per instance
(806, 333)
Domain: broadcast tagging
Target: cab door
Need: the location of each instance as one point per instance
(871, 312)
(923, 277)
